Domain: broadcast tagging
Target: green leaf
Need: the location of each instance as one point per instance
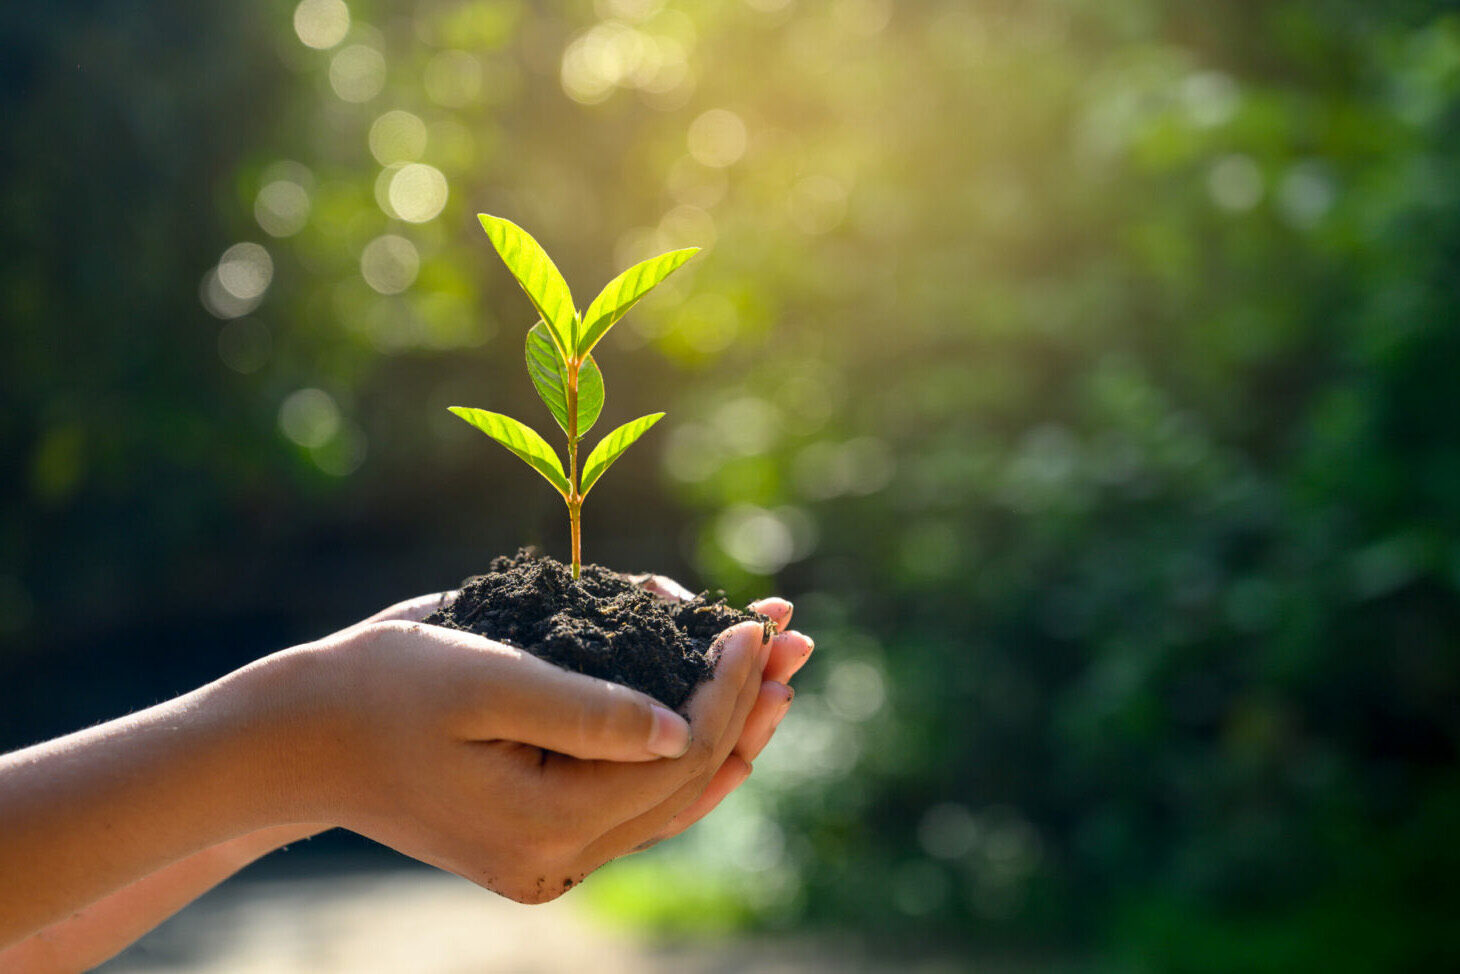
(612, 446)
(537, 274)
(521, 440)
(550, 376)
(614, 301)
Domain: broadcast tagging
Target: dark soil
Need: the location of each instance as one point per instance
(603, 625)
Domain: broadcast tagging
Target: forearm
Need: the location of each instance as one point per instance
(87, 814)
(103, 929)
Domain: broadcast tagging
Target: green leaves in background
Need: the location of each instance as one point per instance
(620, 294)
(1175, 461)
(550, 376)
(537, 274)
(521, 440)
(612, 446)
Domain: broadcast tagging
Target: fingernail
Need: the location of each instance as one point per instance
(784, 709)
(774, 604)
(669, 737)
(788, 694)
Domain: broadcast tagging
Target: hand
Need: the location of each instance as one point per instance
(789, 652)
(484, 760)
(344, 731)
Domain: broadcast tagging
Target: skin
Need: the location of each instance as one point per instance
(464, 753)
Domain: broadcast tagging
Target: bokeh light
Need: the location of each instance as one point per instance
(397, 136)
(321, 24)
(827, 469)
(389, 263)
(855, 690)
(1235, 183)
(1211, 98)
(417, 192)
(453, 79)
(219, 302)
(1306, 193)
(245, 271)
(282, 208)
(717, 138)
(236, 285)
(309, 417)
(343, 453)
(764, 541)
(948, 830)
(357, 73)
(614, 55)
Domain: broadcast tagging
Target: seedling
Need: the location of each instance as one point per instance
(560, 362)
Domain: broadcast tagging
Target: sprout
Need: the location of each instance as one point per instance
(560, 362)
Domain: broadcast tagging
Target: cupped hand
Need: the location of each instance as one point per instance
(789, 652)
(484, 760)
(442, 726)
(454, 749)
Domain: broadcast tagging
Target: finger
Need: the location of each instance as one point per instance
(652, 822)
(777, 609)
(772, 703)
(770, 707)
(504, 693)
(717, 713)
(686, 806)
(732, 774)
(789, 652)
(662, 586)
(718, 708)
(583, 716)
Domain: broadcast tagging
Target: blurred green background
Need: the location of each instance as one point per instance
(1080, 368)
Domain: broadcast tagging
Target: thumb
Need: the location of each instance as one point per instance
(531, 701)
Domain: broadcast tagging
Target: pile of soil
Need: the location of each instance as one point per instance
(603, 625)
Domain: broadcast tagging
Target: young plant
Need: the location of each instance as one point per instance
(560, 362)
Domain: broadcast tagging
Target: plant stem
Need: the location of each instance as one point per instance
(575, 500)
(574, 519)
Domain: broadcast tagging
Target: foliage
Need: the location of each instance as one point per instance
(560, 362)
(1104, 440)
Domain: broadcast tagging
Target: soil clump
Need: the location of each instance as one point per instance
(602, 625)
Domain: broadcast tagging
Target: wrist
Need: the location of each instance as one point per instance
(286, 717)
